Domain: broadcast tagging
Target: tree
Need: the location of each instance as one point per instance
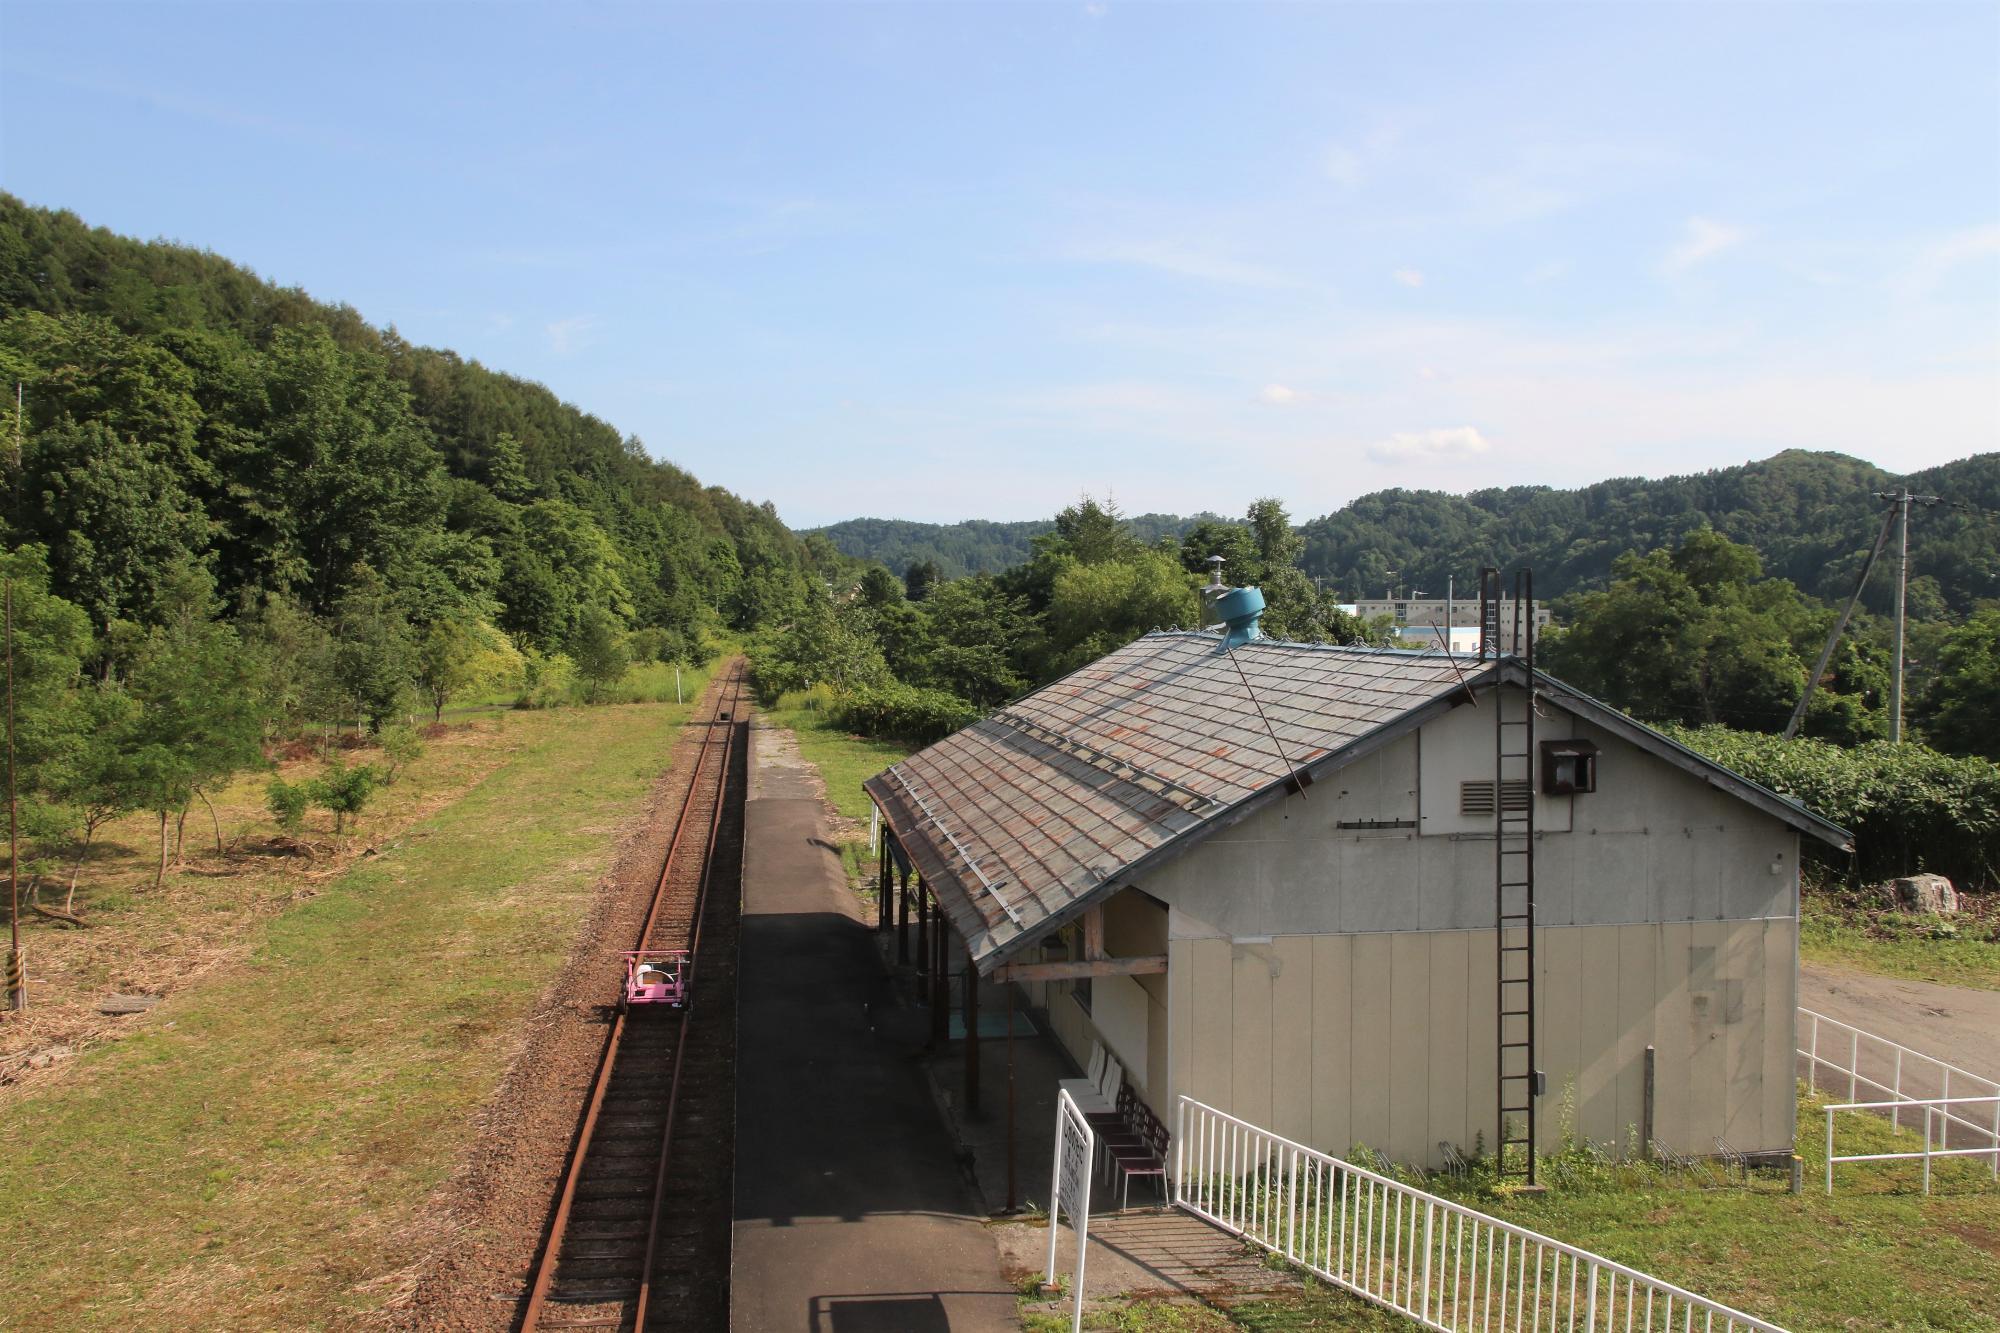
(195, 690)
(346, 477)
(1094, 608)
(53, 732)
(113, 512)
(1697, 634)
(598, 649)
(920, 578)
(93, 781)
(374, 653)
(1279, 546)
(293, 658)
(968, 639)
(456, 656)
(1961, 712)
(1232, 541)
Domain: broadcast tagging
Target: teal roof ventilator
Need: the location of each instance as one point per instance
(1238, 610)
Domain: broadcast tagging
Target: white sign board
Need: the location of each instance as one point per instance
(1069, 1192)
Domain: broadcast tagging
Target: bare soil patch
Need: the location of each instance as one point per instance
(204, 916)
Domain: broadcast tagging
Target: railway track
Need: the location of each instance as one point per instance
(639, 1239)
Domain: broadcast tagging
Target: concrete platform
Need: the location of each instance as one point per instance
(851, 1214)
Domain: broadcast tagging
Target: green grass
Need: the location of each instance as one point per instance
(1961, 950)
(253, 1155)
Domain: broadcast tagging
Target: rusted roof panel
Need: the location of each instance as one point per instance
(1024, 813)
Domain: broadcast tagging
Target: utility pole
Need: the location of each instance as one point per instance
(1903, 498)
(17, 972)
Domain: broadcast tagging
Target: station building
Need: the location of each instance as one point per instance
(1266, 877)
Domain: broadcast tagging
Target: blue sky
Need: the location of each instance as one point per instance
(944, 261)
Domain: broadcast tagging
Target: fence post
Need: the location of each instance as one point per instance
(1928, 1112)
(1896, 1112)
(1430, 1218)
(1180, 1147)
(1292, 1212)
(1829, 1150)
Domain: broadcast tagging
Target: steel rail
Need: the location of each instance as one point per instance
(687, 1012)
(545, 1268)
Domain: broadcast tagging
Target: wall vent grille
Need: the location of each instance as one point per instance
(1476, 798)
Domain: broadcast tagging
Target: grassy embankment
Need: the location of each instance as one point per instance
(254, 1154)
(1960, 950)
(1878, 1254)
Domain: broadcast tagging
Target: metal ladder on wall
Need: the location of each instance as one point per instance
(1518, 1080)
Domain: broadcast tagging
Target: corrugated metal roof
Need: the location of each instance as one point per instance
(1023, 814)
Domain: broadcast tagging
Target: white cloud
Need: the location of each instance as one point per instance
(1096, 11)
(565, 334)
(1940, 257)
(1280, 394)
(1410, 277)
(1702, 239)
(1452, 442)
(1181, 260)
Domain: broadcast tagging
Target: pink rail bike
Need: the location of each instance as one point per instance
(655, 977)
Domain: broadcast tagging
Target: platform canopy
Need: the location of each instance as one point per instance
(1024, 819)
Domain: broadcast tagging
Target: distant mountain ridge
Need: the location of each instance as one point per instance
(974, 546)
(1813, 516)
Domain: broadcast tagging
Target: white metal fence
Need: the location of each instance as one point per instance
(1960, 1111)
(1445, 1265)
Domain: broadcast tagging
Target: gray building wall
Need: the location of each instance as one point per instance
(1335, 983)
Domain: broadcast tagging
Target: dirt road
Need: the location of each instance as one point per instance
(1955, 1024)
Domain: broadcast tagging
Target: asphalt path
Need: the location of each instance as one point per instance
(851, 1213)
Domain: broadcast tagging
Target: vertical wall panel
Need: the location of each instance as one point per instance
(1708, 1066)
(1446, 1073)
(1332, 1028)
(1409, 1040)
(1780, 1089)
(1480, 1027)
(1180, 1020)
(1214, 1018)
(1369, 1058)
(1673, 1049)
(1597, 996)
(1638, 998)
(1292, 1037)
(1743, 1028)
(1250, 1056)
(1559, 1024)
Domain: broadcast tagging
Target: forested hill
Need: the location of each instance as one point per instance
(975, 546)
(1811, 515)
(179, 408)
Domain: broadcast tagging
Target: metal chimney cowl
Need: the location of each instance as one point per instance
(1238, 610)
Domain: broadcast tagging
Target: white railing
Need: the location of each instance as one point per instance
(1937, 1124)
(1961, 1110)
(1447, 1266)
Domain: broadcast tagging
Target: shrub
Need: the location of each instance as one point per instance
(902, 711)
(401, 745)
(289, 802)
(345, 790)
(547, 680)
(1909, 807)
